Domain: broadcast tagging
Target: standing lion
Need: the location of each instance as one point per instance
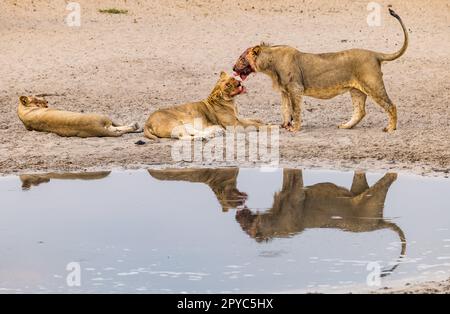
(325, 75)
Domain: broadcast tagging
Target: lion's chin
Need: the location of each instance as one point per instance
(240, 90)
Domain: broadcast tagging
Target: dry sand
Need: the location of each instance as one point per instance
(431, 287)
(168, 52)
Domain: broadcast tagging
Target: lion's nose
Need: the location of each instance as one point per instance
(234, 68)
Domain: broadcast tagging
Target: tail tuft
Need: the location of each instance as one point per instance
(392, 12)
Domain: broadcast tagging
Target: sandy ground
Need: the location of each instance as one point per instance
(168, 52)
(431, 287)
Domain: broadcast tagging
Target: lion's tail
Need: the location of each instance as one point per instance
(401, 235)
(398, 54)
(148, 133)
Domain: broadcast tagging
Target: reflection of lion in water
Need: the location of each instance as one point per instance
(29, 180)
(323, 205)
(295, 207)
(221, 181)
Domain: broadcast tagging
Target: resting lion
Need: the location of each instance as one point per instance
(29, 180)
(325, 75)
(201, 119)
(35, 115)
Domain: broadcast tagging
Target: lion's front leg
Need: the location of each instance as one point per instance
(295, 97)
(286, 110)
(250, 122)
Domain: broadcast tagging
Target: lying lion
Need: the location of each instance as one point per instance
(35, 115)
(325, 75)
(201, 119)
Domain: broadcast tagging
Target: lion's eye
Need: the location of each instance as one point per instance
(228, 84)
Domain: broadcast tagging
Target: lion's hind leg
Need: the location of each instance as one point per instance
(148, 133)
(124, 128)
(359, 109)
(116, 131)
(375, 89)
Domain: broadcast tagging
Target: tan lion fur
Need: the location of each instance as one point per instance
(222, 182)
(297, 208)
(35, 115)
(29, 180)
(214, 114)
(295, 74)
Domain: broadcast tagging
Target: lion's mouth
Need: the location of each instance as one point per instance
(244, 73)
(240, 89)
(244, 217)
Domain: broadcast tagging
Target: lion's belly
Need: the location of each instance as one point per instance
(328, 75)
(326, 92)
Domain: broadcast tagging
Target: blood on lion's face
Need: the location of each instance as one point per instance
(245, 64)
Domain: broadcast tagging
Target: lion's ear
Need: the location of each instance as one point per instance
(223, 75)
(256, 50)
(23, 100)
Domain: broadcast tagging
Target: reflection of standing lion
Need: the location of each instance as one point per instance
(323, 205)
(325, 75)
(35, 115)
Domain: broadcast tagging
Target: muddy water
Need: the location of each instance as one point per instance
(221, 230)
